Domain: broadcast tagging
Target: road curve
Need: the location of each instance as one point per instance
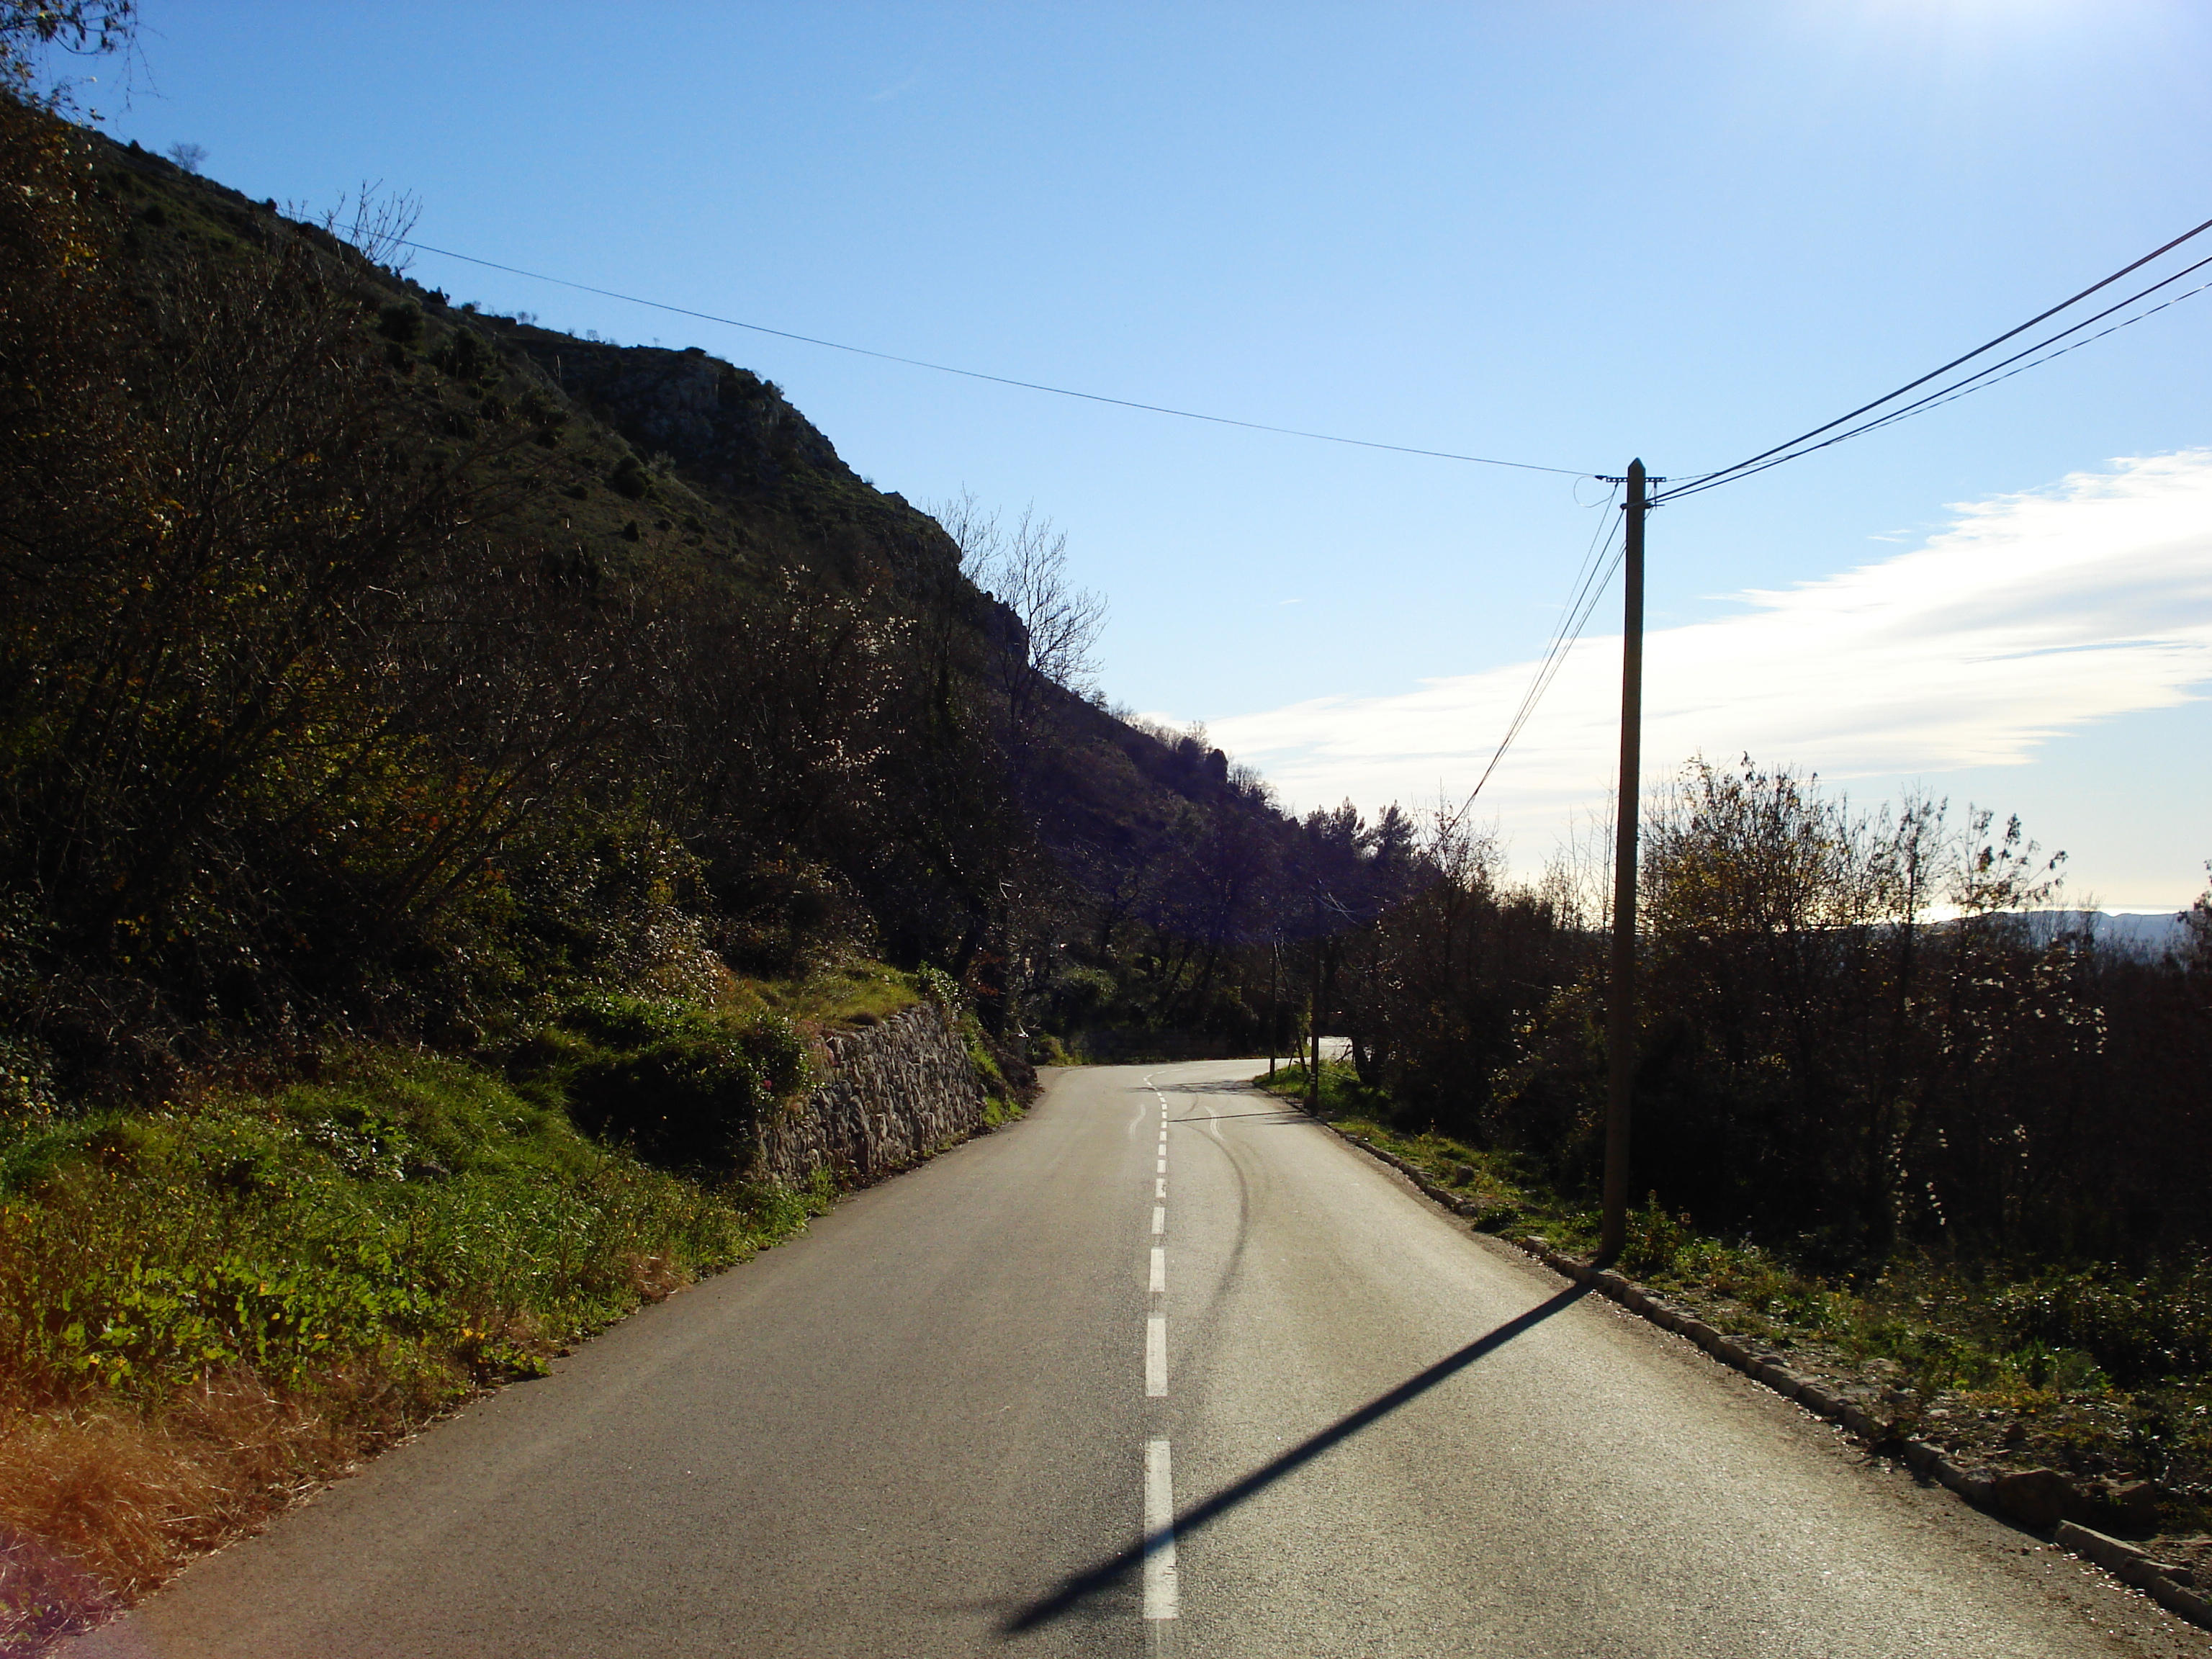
(1166, 1368)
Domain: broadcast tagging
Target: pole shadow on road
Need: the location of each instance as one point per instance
(1233, 1117)
(1072, 1591)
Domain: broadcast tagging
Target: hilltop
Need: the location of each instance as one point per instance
(387, 665)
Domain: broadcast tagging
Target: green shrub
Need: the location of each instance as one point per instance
(2138, 1331)
(1655, 1240)
(1342, 1094)
(941, 989)
(400, 322)
(414, 1216)
(468, 357)
(683, 1088)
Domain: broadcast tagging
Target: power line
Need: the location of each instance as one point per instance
(1790, 450)
(1982, 380)
(1600, 579)
(996, 380)
(1592, 577)
(2125, 322)
(1597, 570)
(1978, 380)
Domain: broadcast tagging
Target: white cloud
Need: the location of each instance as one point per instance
(2030, 616)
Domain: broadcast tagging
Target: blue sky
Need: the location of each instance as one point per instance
(1565, 234)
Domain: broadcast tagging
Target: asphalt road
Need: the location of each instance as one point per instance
(1163, 1370)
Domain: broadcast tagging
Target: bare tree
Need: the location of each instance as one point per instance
(31, 31)
(1025, 570)
(377, 224)
(189, 157)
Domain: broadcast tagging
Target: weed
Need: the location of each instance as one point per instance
(854, 992)
(205, 1309)
(683, 1086)
(2088, 1369)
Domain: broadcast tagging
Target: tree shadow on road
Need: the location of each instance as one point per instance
(1076, 1589)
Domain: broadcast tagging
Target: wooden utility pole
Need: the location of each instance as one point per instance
(1620, 998)
(1313, 1020)
(1274, 1000)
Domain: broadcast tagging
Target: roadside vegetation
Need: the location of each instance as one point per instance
(212, 1306)
(1898, 1114)
(2098, 1369)
(449, 785)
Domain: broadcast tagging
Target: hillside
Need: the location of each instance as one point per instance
(458, 784)
(385, 665)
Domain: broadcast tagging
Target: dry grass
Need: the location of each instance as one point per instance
(99, 1506)
(656, 1278)
(206, 1313)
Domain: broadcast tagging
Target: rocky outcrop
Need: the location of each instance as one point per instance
(726, 430)
(896, 1092)
(722, 425)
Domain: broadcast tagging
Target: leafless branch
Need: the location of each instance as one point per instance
(379, 224)
(1024, 568)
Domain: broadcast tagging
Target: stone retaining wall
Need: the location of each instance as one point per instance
(896, 1092)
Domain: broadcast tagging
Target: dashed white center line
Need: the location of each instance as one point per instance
(1159, 1534)
(1161, 1592)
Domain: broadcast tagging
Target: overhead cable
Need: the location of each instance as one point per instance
(996, 380)
(1591, 579)
(1980, 380)
(1789, 449)
(1994, 377)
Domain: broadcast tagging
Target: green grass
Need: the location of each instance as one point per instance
(1001, 1103)
(427, 1220)
(209, 1306)
(1047, 1049)
(415, 1217)
(206, 1308)
(854, 993)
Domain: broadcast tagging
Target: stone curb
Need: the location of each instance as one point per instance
(2135, 1566)
(2010, 1497)
(2025, 1489)
(1456, 1205)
